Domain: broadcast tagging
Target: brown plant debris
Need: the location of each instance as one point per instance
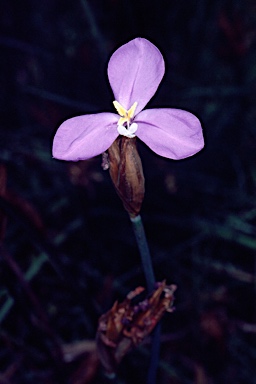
(128, 323)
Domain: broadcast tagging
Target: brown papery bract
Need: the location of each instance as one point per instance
(126, 172)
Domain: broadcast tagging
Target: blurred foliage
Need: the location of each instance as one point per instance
(68, 250)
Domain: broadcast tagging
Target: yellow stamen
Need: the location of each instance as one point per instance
(132, 110)
(126, 116)
(121, 111)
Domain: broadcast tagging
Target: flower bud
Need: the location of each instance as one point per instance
(127, 174)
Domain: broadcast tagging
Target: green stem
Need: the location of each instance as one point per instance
(150, 280)
(144, 252)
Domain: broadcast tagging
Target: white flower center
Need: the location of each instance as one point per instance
(127, 131)
(124, 126)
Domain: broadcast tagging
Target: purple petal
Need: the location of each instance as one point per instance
(135, 71)
(171, 133)
(83, 137)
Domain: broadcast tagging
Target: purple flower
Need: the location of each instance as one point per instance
(135, 71)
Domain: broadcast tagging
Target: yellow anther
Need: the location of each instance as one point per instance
(126, 116)
(132, 110)
(121, 111)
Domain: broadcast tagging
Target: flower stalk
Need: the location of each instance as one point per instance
(144, 252)
(149, 274)
(126, 172)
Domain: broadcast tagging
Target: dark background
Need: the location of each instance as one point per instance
(68, 250)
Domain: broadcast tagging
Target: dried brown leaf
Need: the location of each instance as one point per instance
(127, 324)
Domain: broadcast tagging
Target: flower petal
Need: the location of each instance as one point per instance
(135, 71)
(171, 133)
(83, 137)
